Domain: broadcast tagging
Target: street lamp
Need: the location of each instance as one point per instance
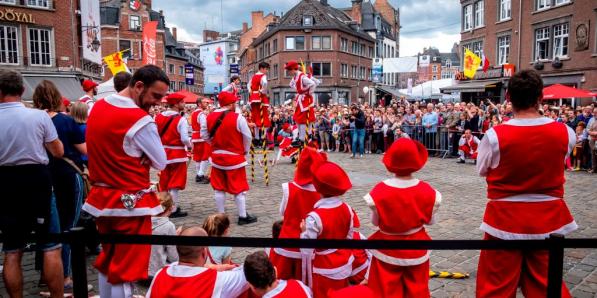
(95, 43)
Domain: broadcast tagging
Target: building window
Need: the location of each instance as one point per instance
(277, 98)
(171, 68)
(362, 50)
(8, 1)
(135, 23)
(181, 70)
(126, 48)
(344, 70)
(542, 43)
(9, 45)
(448, 63)
(39, 47)
(295, 43)
(275, 70)
(479, 14)
(343, 44)
(362, 73)
(307, 21)
(38, 3)
(140, 52)
(475, 47)
(172, 84)
(355, 47)
(321, 42)
(503, 49)
(542, 4)
(505, 11)
(275, 45)
(321, 69)
(560, 2)
(560, 40)
(434, 68)
(434, 77)
(353, 70)
(371, 52)
(468, 17)
(316, 42)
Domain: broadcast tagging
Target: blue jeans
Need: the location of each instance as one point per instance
(358, 137)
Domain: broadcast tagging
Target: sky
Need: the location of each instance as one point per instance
(424, 23)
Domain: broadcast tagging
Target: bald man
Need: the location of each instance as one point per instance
(189, 278)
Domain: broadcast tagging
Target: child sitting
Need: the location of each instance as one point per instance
(261, 276)
(401, 206)
(218, 225)
(161, 255)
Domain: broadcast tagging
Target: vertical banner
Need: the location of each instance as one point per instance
(189, 71)
(91, 31)
(377, 70)
(149, 41)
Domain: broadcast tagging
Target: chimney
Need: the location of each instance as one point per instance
(355, 13)
(256, 16)
(174, 33)
(245, 27)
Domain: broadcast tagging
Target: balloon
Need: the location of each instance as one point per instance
(365, 89)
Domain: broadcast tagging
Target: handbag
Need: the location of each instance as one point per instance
(84, 175)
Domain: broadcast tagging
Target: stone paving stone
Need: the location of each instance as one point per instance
(459, 217)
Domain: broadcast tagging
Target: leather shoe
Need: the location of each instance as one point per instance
(246, 220)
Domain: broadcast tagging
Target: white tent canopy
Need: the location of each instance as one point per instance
(106, 88)
(400, 65)
(428, 89)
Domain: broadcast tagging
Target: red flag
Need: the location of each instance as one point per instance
(485, 63)
(149, 41)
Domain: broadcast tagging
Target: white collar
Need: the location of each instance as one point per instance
(529, 122)
(176, 270)
(277, 290)
(400, 183)
(328, 203)
(120, 101)
(308, 187)
(169, 113)
(220, 110)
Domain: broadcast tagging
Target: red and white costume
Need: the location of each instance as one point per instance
(175, 139)
(362, 257)
(285, 148)
(233, 88)
(120, 137)
(298, 198)
(303, 112)
(201, 148)
(259, 101)
(89, 101)
(289, 289)
(467, 147)
(231, 142)
(525, 194)
(179, 281)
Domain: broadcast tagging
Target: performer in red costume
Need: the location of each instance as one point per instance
(123, 142)
(304, 114)
(525, 191)
(230, 139)
(261, 276)
(234, 86)
(331, 218)
(298, 198)
(174, 132)
(190, 277)
(468, 145)
(201, 148)
(259, 101)
(401, 207)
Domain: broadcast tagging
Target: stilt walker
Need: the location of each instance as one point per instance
(259, 102)
(230, 139)
(234, 85)
(123, 142)
(201, 148)
(304, 114)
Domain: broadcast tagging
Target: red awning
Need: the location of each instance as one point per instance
(189, 97)
(558, 91)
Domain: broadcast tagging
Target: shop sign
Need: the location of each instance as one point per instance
(10, 15)
(506, 70)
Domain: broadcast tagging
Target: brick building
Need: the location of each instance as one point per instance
(555, 37)
(434, 65)
(325, 38)
(42, 40)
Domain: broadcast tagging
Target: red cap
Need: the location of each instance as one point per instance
(174, 98)
(225, 98)
(405, 157)
(285, 126)
(65, 102)
(89, 85)
(280, 139)
(360, 291)
(290, 65)
(309, 158)
(330, 180)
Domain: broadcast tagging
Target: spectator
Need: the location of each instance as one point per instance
(26, 135)
(592, 135)
(218, 225)
(161, 255)
(122, 80)
(79, 112)
(467, 147)
(323, 127)
(262, 279)
(358, 135)
(430, 121)
(377, 143)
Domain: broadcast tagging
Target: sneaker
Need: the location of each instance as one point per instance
(202, 180)
(460, 160)
(361, 156)
(198, 178)
(178, 213)
(246, 220)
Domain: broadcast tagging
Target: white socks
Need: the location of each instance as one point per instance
(203, 167)
(257, 133)
(174, 193)
(240, 199)
(108, 290)
(198, 169)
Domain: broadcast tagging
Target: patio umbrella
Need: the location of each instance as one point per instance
(558, 91)
(189, 97)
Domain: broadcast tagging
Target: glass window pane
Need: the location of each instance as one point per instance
(290, 43)
(316, 40)
(326, 69)
(300, 42)
(327, 42)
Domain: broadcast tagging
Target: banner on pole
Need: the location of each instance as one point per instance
(149, 41)
(91, 31)
(471, 64)
(189, 71)
(115, 63)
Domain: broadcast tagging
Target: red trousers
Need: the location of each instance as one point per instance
(288, 268)
(467, 151)
(229, 181)
(388, 280)
(322, 285)
(174, 176)
(500, 273)
(259, 112)
(124, 262)
(201, 151)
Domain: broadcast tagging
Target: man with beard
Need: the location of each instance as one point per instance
(90, 88)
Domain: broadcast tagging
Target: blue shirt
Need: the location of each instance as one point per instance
(430, 119)
(69, 134)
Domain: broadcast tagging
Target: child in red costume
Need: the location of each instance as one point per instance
(401, 207)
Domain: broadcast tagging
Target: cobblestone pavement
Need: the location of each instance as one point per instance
(459, 218)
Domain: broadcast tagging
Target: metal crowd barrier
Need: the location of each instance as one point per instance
(555, 244)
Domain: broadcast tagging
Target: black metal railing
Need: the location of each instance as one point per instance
(555, 244)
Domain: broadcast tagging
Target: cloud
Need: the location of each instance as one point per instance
(424, 22)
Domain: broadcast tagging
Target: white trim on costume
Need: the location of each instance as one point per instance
(337, 273)
(400, 183)
(405, 233)
(145, 211)
(128, 144)
(369, 200)
(227, 168)
(328, 203)
(176, 270)
(400, 261)
(527, 198)
(308, 187)
(277, 290)
(572, 226)
(284, 202)
(288, 253)
(177, 160)
(174, 147)
(120, 101)
(363, 266)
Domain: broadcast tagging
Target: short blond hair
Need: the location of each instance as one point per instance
(165, 200)
(79, 112)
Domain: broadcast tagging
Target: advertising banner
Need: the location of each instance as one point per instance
(189, 72)
(377, 70)
(213, 56)
(91, 31)
(149, 41)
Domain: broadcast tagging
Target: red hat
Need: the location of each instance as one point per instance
(290, 65)
(360, 291)
(405, 157)
(174, 98)
(225, 98)
(285, 126)
(65, 102)
(89, 85)
(280, 139)
(329, 179)
(309, 158)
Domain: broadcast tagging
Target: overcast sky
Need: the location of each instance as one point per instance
(424, 22)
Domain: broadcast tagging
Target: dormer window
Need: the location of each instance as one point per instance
(307, 20)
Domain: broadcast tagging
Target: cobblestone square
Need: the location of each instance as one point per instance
(459, 218)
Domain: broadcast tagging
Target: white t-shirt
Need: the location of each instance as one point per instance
(24, 132)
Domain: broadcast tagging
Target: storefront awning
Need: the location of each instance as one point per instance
(68, 85)
(393, 91)
(471, 86)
